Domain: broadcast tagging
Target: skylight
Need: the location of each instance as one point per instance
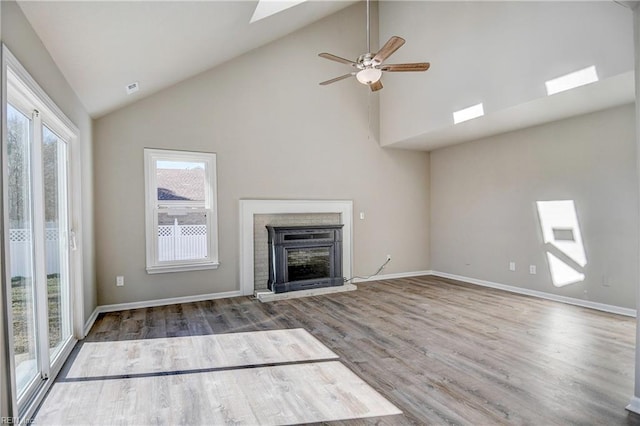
(266, 8)
(572, 80)
(466, 114)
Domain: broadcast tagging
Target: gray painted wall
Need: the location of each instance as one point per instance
(483, 212)
(277, 134)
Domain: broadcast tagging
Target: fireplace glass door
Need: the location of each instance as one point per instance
(308, 263)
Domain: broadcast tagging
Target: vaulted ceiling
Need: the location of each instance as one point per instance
(496, 53)
(103, 46)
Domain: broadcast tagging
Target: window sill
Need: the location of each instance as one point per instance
(181, 268)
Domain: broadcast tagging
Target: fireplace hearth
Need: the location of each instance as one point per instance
(304, 257)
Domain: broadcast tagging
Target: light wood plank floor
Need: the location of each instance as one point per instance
(193, 353)
(443, 352)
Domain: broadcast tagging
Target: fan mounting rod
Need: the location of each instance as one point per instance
(368, 29)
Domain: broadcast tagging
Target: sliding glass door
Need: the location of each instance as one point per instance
(38, 208)
(54, 161)
(22, 248)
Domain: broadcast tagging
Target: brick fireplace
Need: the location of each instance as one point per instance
(256, 214)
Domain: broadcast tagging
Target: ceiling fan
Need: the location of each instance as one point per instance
(370, 66)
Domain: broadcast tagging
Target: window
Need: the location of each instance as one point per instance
(181, 210)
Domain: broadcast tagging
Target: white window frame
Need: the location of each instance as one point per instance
(153, 207)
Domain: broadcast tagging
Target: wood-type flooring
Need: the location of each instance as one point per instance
(442, 351)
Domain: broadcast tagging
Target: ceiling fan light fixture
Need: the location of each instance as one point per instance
(369, 66)
(369, 75)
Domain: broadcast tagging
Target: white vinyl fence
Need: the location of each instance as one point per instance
(181, 242)
(20, 246)
(175, 242)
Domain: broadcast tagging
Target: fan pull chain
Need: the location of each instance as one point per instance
(369, 96)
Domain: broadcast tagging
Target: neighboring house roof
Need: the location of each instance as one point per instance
(180, 184)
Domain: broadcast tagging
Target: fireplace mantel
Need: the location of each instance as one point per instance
(249, 208)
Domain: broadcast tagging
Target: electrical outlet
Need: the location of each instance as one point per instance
(512, 266)
(388, 257)
(532, 269)
(120, 281)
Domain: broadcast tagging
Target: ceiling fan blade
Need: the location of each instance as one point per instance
(418, 66)
(376, 86)
(337, 59)
(333, 80)
(387, 50)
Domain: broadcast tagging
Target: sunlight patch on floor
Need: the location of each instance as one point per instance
(127, 357)
(267, 377)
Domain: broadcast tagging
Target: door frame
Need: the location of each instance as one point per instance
(66, 128)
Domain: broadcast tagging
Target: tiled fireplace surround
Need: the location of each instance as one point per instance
(256, 214)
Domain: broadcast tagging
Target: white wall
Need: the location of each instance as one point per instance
(497, 53)
(277, 134)
(483, 211)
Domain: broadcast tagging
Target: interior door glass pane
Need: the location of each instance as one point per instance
(180, 180)
(182, 236)
(54, 152)
(21, 247)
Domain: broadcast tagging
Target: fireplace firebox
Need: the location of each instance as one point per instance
(304, 257)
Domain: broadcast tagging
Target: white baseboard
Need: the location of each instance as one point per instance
(90, 321)
(169, 301)
(549, 296)
(380, 277)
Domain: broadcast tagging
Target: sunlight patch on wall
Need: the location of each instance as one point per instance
(467, 114)
(572, 80)
(563, 241)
